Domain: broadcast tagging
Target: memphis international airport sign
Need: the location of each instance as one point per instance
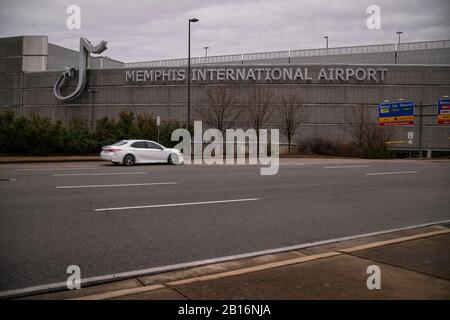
(444, 112)
(256, 74)
(396, 114)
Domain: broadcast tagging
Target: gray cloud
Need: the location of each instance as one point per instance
(146, 30)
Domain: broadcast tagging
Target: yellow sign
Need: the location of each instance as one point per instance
(397, 120)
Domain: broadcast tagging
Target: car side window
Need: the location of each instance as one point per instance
(139, 144)
(152, 145)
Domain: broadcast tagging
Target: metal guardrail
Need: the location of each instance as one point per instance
(155, 63)
(266, 55)
(223, 58)
(425, 45)
(292, 54)
(343, 50)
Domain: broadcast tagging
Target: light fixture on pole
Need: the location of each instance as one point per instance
(189, 73)
(399, 33)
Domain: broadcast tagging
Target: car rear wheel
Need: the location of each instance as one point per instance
(129, 160)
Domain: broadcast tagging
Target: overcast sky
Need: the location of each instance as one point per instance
(138, 30)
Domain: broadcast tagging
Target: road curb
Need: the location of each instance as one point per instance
(394, 241)
(261, 267)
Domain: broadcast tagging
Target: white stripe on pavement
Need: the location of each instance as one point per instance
(129, 274)
(295, 164)
(116, 185)
(346, 167)
(177, 204)
(57, 169)
(389, 173)
(95, 174)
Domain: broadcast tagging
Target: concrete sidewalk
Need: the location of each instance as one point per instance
(414, 264)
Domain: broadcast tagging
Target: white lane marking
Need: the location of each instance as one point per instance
(57, 169)
(346, 167)
(116, 185)
(295, 164)
(129, 274)
(337, 164)
(177, 204)
(95, 174)
(389, 173)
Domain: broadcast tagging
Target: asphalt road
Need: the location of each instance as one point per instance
(51, 216)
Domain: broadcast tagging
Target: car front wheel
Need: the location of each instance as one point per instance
(129, 160)
(174, 159)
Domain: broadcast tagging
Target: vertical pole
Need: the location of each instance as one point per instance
(189, 78)
(92, 110)
(158, 123)
(93, 91)
(21, 93)
(420, 128)
(398, 47)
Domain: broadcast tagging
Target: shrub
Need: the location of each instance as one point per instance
(78, 139)
(322, 146)
(327, 147)
(106, 132)
(7, 126)
(37, 135)
(125, 124)
(146, 126)
(165, 134)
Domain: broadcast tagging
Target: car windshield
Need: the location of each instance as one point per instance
(120, 143)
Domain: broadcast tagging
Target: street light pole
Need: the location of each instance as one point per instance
(398, 45)
(93, 91)
(326, 43)
(206, 51)
(420, 130)
(189, 73)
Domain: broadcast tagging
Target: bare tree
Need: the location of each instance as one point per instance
(259, 107)
(291, 114)
(358, 122)
(220, 112)
(365, 131)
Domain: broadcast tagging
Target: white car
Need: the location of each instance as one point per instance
(130, 152)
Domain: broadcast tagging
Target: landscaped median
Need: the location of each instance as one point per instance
(413, 264)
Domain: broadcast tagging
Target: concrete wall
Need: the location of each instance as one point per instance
(104, 63)
(428, 56)
(23, 54)
(59, 57)
(329, 105)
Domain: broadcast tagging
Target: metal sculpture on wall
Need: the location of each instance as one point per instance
(85, 49)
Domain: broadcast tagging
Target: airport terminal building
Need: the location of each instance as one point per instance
(332, 85)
